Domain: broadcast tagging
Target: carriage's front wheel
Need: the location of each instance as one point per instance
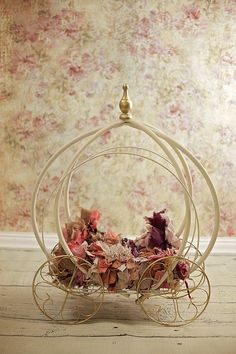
(173, 291)
(67, 290)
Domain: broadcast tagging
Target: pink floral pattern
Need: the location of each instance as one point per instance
(61, 74)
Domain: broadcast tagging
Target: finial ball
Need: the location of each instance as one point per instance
(125, 104)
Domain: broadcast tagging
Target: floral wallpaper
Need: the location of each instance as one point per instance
(62, 66)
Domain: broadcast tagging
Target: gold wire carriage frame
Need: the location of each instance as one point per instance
(173, 306)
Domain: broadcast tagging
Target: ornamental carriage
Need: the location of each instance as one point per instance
(163, 269)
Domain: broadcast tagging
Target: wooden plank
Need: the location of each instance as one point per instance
(112, 327)
(17, 302)
(115, 345)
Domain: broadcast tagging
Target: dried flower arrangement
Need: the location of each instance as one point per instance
(120, 261)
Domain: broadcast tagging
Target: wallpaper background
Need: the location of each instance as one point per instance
(62, 66)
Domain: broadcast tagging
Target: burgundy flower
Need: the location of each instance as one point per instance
(182, 269)
(157, 220)
(157, 236)
(133, 248)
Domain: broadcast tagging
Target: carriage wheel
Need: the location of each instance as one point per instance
(67, 290)
(169, 300)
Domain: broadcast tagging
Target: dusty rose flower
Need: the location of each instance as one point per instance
(112, 277)
(94, 218)
(110, 280)
(78, 249)
(116, 264)
(134, 274)
(130, 264)
(103, 265)
(111, 237)
(80, 236)
(71, 228)
(96, 249)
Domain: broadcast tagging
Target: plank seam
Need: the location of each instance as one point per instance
(113, 335)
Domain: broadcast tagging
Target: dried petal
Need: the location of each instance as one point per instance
(85, 215)
(116, 264)
(131, 263)
(103, 265)
(112, 278)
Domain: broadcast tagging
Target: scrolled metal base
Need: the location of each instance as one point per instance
(59, 296)
(161, 293)
(171, 301)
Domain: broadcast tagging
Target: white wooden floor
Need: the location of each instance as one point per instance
(121, 326)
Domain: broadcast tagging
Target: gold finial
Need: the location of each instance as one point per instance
(125, 104)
